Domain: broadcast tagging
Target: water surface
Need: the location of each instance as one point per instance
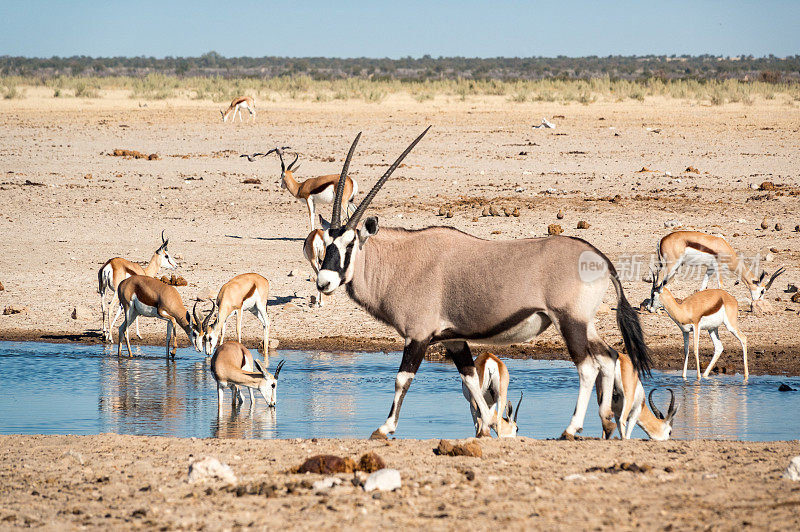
(86, 389)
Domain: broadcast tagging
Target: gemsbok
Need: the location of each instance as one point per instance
(149, 297)
(493, 379)
(705, 310)
(245, 102)
(694, 247)
(232, 365)
(630, 409)
(245, 292)
(442, 285)
(115, 270)
(316, 190)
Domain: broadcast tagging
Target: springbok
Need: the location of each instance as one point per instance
(316, 190)
(146, 296)
(705, 310)
(248, 291)
(493, 380)
(314, 251)
(232, 365)
(245, 102)
(442, 285)
(115, 270)
(694, 247)
(629, 406)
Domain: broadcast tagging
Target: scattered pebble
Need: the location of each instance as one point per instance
(486, 211)
(764, 223)
(326, 464)
(326, 483)
(494, 211)
(791, 288)
(292, 273)
(442, 211)
(209, 467)
(670, 224)
(796, 297)
(370, 463)
(560, 214)
(769, 257)
(692, 170)
(519, 189)
(2, 287)
(383, 480)
(767, 185)
(515, 212)
(14, 309)
(448, 448)
(773, 250)
(779, 227)
(449, 214)
(583, 225)
(554, 229)
(793, 470)
(622, 466)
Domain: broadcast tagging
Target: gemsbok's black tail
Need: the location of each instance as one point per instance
(632, 336)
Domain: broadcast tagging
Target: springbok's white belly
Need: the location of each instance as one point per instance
(527, 329)
(694, 256)
(326, 196)
(712, 321)
(144, 310)
(250, 302)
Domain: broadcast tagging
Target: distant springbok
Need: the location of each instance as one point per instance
(705, 310)
(441, 285)
(115, 270)
(234, 366)
(245, 102)
(314, 251)
(146, 296)
(493, 378)
(245, 292)
(694, 247)
(629, 406)
(316, 190)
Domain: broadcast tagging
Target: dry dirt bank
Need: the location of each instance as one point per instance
(127, 482)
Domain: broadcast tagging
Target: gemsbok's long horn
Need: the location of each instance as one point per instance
(653, 407)
(354, 219)
(336, 217)
(774, 276)
(516, 410)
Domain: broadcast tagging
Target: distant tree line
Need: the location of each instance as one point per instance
(705, 67)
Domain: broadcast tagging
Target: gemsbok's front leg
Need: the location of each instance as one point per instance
(462, 357)
(412, 358)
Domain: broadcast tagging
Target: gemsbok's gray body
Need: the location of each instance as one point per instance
(442, 285)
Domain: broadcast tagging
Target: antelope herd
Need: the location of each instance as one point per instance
(440, 285)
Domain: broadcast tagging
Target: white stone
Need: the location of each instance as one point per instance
(210, 468)
(383, 480)
(669, 224)
(793, 471)
(326, 483)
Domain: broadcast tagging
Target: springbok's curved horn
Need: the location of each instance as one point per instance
(653, 407)
(354, 219)
(773, 277)
(280, 156)
(197, 319)
(336, 217)
(208, 317)
(291, 164)
(164, 243)
(278, 368)
(673, 408)
(516, 410)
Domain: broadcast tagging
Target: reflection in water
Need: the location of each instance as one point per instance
(89, 390)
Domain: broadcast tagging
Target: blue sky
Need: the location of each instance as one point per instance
(43, 28)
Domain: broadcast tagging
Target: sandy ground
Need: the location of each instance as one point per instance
(128, 482)
(93, 206)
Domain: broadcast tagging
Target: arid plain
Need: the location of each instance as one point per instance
(68, 205)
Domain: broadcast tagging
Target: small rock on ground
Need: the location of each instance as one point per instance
(326, 464)
(793, 470)
(209, 467)
(470, 448)
(383, 480)
(326, 483)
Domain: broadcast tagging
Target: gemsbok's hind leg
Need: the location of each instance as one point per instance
(412, 358)
(462, 357)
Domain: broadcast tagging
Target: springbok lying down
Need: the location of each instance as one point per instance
(441, 285)
(493, 378)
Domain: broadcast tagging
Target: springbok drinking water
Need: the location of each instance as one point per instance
(493, 378)
(441, 285)
(234, 366)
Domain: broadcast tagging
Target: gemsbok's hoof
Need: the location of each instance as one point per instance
(378, 435)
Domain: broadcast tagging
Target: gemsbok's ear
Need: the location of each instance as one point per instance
(370, 228)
